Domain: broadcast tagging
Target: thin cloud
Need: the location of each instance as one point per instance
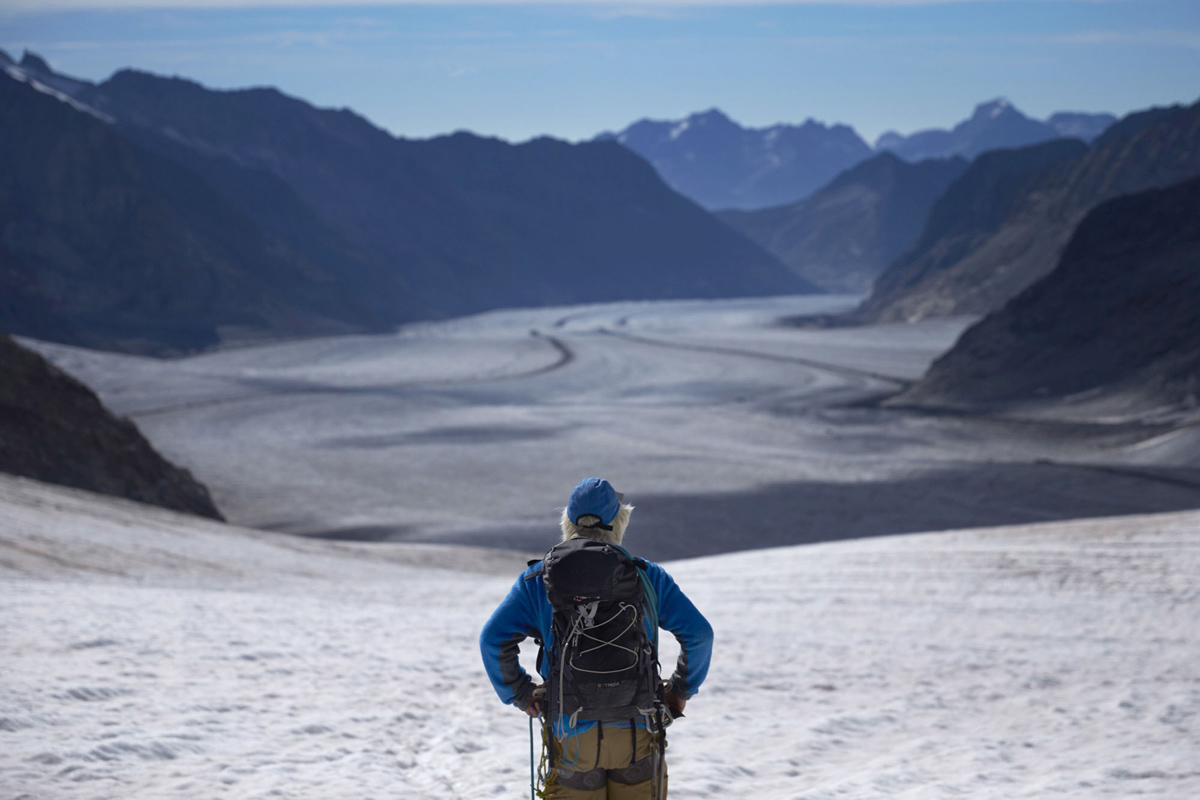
(618, 7)
(1157, 38)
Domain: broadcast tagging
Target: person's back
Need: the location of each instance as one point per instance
(596, 610)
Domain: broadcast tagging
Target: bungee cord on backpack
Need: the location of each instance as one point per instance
(624, 607)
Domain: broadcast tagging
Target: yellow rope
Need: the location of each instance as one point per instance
(545, 775)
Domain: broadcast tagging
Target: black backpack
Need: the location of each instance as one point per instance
(604, 663)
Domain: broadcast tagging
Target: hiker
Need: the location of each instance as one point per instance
(595, 610)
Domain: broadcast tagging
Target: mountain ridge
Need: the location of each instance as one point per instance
(384, 230)
(725, 166)
(742, 167)
(978, 274)
(1119, 314)
(114, 263)
(361, 179)
(995, 124)
(845, 234)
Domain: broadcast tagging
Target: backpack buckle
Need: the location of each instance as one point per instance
(587, 613)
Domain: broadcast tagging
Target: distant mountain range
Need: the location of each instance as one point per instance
(1118, 319)
(993, 125)
(845, 234)
(155, 215)
(1005, 222)
(54, 429)
(721, 165)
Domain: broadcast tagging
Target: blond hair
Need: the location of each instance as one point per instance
(620, 522)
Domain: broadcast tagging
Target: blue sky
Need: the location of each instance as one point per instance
(518, 70)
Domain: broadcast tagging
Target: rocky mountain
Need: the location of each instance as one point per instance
(1132, 124)
(991, 239)
(970, 211)
(719, 164)
(1119, 315)
(54, 429)
(843, 236)
(993, 125)
(107, 245)
(34, 66)
(250, 213)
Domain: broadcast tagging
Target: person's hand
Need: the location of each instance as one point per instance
(534, 709)
(674, 702)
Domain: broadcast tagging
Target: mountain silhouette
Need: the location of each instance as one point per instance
(843, 236)
(719, 164)
(991, 239)
(267, 216)
(1120, 314)
(994, 125)
(110, 246)
(971, 210)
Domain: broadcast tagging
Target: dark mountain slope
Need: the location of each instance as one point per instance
(1121, 312)
(112, 247)
(843, 236)
(973, 208)
(719, 164)
(463, 223)
(53, 429)
(979, 276)
(1132, 124)
(345, 270)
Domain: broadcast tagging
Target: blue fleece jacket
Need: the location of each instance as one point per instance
(526, 612)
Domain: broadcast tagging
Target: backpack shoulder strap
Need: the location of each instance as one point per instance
(648, 590)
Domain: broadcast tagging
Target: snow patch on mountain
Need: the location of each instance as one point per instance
(17, 73)
(994, 108)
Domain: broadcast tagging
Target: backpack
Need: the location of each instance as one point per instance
(604, 662)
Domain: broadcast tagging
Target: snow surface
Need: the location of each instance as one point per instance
(727, 429)
(152, 655)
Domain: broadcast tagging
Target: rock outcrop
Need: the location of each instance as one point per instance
(54, 429)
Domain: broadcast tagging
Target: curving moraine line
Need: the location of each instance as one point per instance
(276, 389)
(733, 351)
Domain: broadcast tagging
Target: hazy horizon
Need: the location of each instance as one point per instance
(518, 71)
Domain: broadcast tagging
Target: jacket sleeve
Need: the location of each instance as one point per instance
(511, 623)
(677, 614)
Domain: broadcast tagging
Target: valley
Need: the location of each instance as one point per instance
(727, 429)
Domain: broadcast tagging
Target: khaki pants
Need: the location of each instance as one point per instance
(599, 764)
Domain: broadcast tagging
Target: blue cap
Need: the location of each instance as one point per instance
(594, 496)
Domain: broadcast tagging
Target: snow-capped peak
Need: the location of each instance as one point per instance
(993, 108)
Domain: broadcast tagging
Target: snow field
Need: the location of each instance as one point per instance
(149, 654)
